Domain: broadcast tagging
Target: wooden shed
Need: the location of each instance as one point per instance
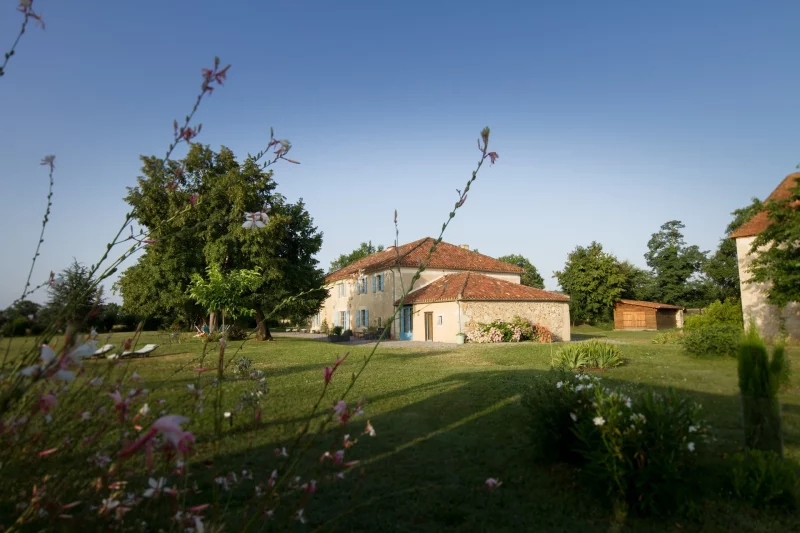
(635, 314)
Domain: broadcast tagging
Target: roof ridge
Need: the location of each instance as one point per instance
(463, 287)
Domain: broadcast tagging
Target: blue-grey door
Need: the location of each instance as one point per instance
(406, 324)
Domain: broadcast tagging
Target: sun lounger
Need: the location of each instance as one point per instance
(141, 352)
(103, 350)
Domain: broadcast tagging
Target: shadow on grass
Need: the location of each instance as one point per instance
(426, 468)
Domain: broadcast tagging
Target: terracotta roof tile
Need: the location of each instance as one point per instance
(653, 305)
(446, 256)
(473, 286)
(760, 221)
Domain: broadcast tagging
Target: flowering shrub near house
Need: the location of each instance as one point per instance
(639, 448)
(517, 330)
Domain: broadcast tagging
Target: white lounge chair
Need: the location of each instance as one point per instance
(103, 350)
(144, 351)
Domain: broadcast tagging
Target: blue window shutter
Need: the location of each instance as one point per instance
(374, 283)
(358, 319)
(366, 318)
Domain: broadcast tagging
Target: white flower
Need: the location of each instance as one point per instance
(559, 384)
(578, 388)
(144, 410)
(255, 220)
(299, 516)
(574, 417)
(690, 446)
(599, 420)
(155, 486)
(692, 429)
(86, 415)
(493, 483)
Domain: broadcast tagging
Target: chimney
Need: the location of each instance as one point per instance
(464, 246)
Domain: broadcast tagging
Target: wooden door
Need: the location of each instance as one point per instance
(634, 320)
(428, 326)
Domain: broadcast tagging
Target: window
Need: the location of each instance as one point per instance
(343, 320)
(374, 283)
(379, 277)
(362, 318)
(438, 320)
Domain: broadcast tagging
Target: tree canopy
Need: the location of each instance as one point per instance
(531, 276)
(777, 250)
(594, 281)
(364, 250)
(72, 298)
(193, 210)
(674, 264)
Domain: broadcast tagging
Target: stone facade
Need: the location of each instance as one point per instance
(767, 317)
(380, 304)
(553, 315)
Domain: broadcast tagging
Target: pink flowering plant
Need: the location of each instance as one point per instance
(90, 444)
(516, 330)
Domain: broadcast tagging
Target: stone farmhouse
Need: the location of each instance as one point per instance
(458, 287)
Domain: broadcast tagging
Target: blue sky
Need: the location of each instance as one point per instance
(610, 118)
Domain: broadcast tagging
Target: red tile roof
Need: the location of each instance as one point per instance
(653, 305)
(474, 286)
(446, 256)
(760, 221)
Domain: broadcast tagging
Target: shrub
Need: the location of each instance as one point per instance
(236, 333)
(323, 328)
(589, 354)
(673, 336)
(764, 479)
(780, 367)
(727, 313)
(517, 330)
(347, 332)
(636, 448)
(337, 330)
(712, 340)
(17, 327)
(758, 385)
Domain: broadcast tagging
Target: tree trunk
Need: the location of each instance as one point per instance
(262, 331)
(212, 321)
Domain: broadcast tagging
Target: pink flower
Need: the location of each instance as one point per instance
(369, 430)
(461, 201)
(492, 156)
(221, 75)
(193, 199)
(310, 487)
(49, 160)
(170, 427)
(46, 402)
(329, 371)
(493, 483)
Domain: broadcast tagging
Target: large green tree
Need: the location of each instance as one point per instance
(187, 239)
(364, 250)
(639, 283)
(72, 299)
(777, 249)
(594, 281)
(722, 268)
(531, 276)
(675, 265)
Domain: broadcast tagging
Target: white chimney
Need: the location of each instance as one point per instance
(464, 246)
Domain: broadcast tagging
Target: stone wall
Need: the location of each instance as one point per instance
(767, 317)
(553, 315)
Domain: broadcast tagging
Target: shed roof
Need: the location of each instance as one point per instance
(652, 305)
(446, 256)
(479, 287)
(760, 220)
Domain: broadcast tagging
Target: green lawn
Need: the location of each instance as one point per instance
(446, 420)
(590, 332)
